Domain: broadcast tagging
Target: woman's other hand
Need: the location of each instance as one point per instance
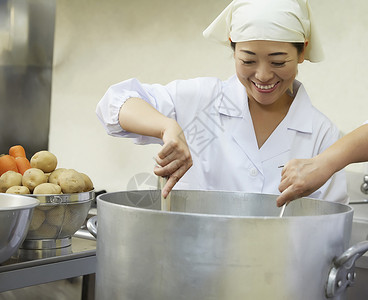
(301, 177)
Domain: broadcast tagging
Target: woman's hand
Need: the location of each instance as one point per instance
(301, 177)
(174, 159)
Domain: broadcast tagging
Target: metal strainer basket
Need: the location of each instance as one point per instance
(56, 219)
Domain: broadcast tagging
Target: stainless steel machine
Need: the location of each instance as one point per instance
(26, 57)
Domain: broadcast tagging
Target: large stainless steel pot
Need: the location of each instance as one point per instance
(222, 245)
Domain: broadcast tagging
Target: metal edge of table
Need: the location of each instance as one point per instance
(45, 261)
(44, 270)
(23, 277)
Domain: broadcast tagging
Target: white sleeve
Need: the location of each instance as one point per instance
(179, 100)
(108, 108)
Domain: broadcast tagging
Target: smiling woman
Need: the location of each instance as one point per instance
(232, 135)
(267, 70)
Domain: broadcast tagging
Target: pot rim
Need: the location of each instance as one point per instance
(348, 209)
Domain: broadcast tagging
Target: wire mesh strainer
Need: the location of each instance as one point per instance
(57, 217)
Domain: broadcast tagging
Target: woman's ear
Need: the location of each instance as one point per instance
(301, 55)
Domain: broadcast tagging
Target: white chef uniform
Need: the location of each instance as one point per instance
(217, 125)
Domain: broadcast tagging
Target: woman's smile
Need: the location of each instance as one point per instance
(267, 69)
(265, 88)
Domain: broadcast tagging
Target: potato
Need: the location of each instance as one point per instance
(44, 160)
(46, 231)
(33, 177)
(54, 176)
(47, 176)
(74, 218)
(18, 189)
(37, 219)
(45, 207)
(71, 181)
(88, 184)
(9, 179)
(55, 216)
(47, 188)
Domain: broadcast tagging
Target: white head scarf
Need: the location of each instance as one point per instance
(270, 20)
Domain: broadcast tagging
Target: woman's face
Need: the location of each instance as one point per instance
(266, 68)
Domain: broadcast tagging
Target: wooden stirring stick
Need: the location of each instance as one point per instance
(282, 210)
(165, 202)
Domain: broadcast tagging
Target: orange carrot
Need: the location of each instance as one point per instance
(7, 163)
(17, 151)
(23, 164)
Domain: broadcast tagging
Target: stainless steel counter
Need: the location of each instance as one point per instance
(33, 267)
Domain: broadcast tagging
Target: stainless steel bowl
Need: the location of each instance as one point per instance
(56, 219)
(15, 216)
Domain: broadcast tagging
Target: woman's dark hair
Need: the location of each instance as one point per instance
(232, 45)
(299, 46)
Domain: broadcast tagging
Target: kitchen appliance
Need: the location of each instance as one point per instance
(26, 59)
(222, 245)
(15, 216)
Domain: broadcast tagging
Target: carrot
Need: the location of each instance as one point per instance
(17, 151)
(23, 164)
(7, 163)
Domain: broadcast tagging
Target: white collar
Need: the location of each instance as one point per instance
(233, 103)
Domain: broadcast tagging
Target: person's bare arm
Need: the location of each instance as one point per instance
(301, 177)
(174, 159)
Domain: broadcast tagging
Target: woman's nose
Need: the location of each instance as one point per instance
(264, 73)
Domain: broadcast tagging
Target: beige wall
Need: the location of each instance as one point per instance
(99, 43)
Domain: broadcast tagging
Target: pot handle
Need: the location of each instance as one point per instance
(342, 273)
(92, 226)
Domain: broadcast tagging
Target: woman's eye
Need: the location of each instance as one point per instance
(278, 64)
(247, 62)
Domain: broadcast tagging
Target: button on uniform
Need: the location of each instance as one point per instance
(253, 172)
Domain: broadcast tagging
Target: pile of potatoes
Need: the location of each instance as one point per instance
(45, 178)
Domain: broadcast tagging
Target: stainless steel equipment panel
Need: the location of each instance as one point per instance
(26, 57)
